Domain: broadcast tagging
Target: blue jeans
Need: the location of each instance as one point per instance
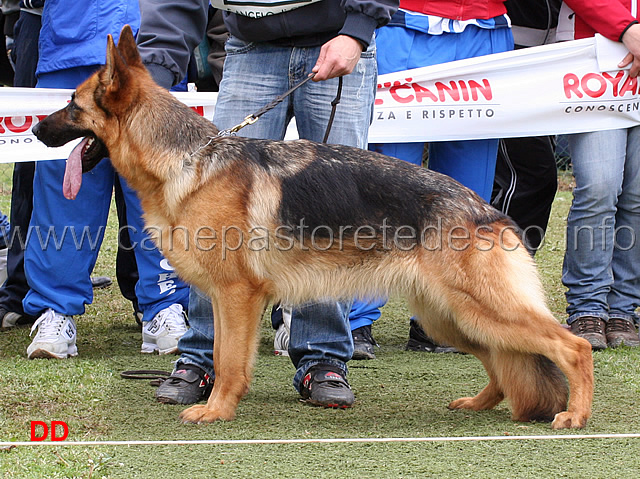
(602, 262)
(255, 74)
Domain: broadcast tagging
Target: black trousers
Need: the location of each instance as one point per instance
(525, 185)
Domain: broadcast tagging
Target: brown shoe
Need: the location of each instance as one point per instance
(591, 329)
(620, 331)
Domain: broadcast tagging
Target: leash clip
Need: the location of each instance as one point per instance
(249, 120)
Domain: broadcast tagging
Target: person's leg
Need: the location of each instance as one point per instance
(598, 167)
(25, 49)
(525, 185)
(15, 288)
(25, 58)
(192, 378)
(66, 235)
(320, 353)
(244, 70)
(361, 317)
(126, 265)
(162, 296)
(263, 72)
(624, 296)
(63, 242)
(471, 162)
(328, 342)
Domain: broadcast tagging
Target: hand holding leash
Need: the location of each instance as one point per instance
(338, 57)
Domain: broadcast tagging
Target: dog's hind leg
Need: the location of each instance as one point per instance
(489, 397)
(573, 356)
(237, 314)
(527, 348)
(441, 328)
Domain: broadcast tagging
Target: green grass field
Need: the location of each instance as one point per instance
(399, 395)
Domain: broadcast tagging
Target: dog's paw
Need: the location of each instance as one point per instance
(203, 414)
(569, 420)
(462, 403)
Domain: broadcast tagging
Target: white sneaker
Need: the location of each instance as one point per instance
(281, 341)
(56, 336)
(164, 330)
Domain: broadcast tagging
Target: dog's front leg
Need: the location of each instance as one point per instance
(237, 313)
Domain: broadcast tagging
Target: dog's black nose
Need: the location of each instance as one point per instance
(37, 129)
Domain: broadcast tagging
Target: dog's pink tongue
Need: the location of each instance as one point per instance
(73, 172)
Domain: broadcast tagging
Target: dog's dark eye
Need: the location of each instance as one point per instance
(73, 107)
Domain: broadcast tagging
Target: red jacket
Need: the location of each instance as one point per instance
(457, 9)
(610, 18)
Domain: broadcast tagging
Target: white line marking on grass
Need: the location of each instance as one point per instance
(217, 442)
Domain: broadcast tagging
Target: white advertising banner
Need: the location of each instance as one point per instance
(562, 88)
(22, 108)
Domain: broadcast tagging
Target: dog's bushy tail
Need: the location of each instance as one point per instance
(534, 385)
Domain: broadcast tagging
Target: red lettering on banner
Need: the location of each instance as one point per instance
(453, 91)
(422, 92)
(12, 127)
(198, 109)
(18, 124)
(593, 77)
(571, 85)
(595, 85)
(394, 93)
(485, 89)
(463, 89)
(615, 81)
(629, 85)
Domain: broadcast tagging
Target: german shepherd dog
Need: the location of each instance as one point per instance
(253, 221)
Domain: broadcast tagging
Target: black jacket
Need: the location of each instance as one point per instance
(534, 22)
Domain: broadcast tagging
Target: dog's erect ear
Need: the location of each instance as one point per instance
(127, 47)
(115, 71)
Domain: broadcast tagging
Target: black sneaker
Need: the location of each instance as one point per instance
(100, 282)
(10, 319)
(592, 329)
(327, 387)
(363, 343)
(187, 385)
(419, 341)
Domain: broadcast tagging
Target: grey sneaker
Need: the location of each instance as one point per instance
(620, 331)
(162, 333)
(281, 340)
(56, 337)
(592, 329)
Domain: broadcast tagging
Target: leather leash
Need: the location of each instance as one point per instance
(251, 119)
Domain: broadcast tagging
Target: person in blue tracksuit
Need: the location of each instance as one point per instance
(66, 235)
(422, 34)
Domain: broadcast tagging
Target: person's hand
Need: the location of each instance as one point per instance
(338, 57)
(631, 40)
